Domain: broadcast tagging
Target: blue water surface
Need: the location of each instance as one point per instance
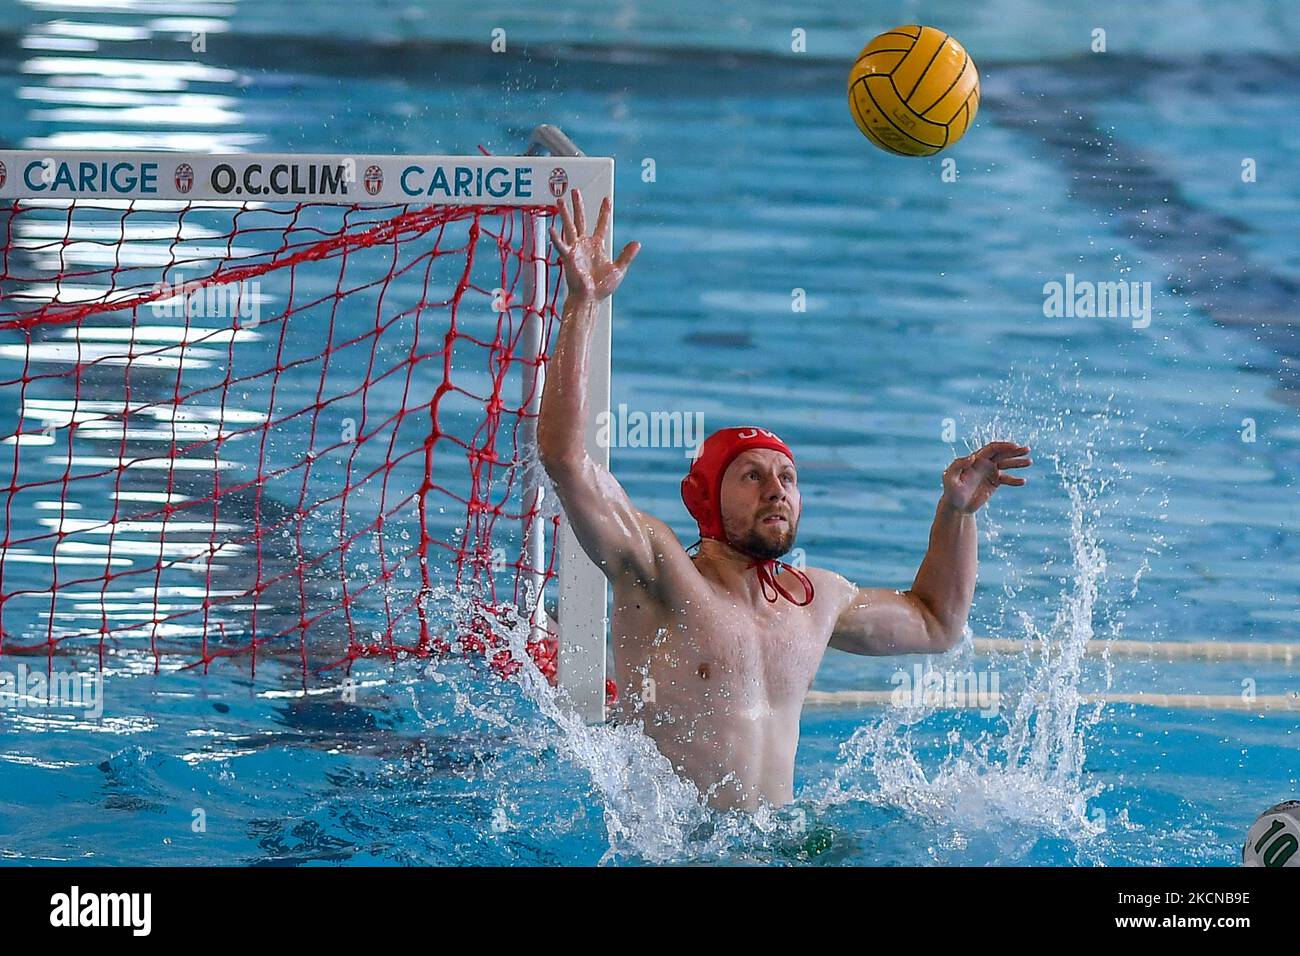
(1162, 507)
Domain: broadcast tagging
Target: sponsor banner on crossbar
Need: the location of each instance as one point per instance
(441, 180)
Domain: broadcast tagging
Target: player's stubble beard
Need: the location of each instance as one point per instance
(762, 544)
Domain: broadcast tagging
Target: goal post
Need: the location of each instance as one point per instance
(583, 602)
(250, 399)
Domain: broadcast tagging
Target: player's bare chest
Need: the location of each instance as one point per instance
(726, 645)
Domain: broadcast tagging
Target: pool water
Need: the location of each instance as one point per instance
(1149, 516)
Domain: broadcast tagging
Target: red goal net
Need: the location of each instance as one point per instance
(240, 428)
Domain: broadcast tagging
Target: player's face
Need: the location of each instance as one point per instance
(760, 502)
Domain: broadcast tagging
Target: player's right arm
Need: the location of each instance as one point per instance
(616, 536)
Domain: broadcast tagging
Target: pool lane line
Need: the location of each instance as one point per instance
(1258, 704)
(1165, 650)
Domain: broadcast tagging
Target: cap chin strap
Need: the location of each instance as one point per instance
(767, 579)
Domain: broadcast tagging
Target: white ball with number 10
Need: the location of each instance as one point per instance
(1274, 839)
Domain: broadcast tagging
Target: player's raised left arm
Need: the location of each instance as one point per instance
(931, 617)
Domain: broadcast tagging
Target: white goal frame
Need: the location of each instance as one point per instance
(546, 175)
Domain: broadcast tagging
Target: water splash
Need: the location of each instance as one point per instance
(1005, 785)
(1026, 776)
(650, 814)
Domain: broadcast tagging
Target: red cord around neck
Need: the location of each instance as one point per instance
(767, 579)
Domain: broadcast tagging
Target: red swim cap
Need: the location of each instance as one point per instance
(702, 486)
(702, 493)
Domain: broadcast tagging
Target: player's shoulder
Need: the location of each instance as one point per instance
(827, 575)
(831, 583)
(667, 549)
(658, 528)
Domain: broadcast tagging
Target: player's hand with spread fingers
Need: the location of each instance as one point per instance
(588, 271)
(969, 482)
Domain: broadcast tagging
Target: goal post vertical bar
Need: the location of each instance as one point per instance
(534, 528)
(583, 601)
(584, 608)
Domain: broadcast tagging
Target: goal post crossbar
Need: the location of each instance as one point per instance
(303, 177)
(536, 182)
